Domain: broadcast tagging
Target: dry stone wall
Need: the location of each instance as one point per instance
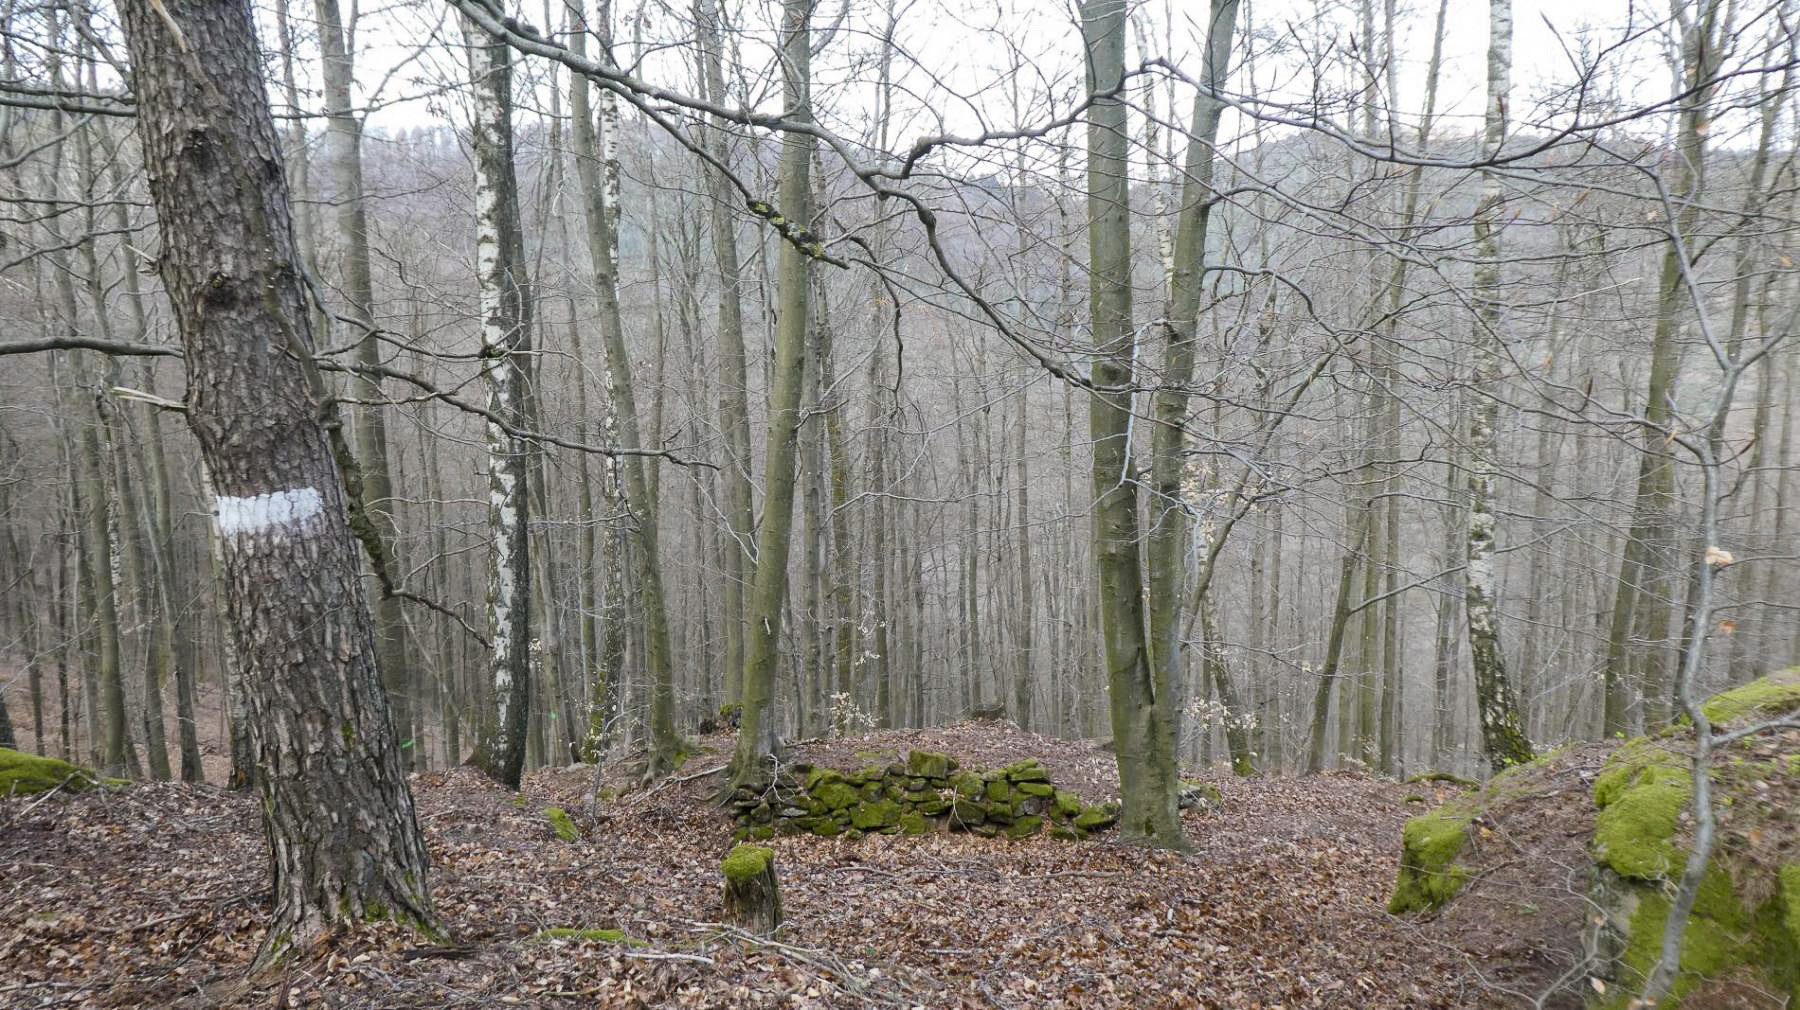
(927, 792)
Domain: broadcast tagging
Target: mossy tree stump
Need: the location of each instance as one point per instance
(752, 897)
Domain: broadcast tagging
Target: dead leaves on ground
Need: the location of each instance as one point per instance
(155, 897)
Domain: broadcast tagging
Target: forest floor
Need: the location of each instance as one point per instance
(155, 896)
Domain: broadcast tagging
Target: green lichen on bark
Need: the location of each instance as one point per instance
(24, 774)
(562, 824)
(1429, 874)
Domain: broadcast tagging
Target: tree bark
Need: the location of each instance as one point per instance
(505, 328)
(1141, 673)
(756, 738)
(1503, 740)
(343, 838)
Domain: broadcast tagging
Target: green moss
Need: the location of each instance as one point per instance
(1790, 900)
(616, 937)
(914, 825)
(837, 795)
(1067, 804)
(562, 824)
(1429, 874)
(747, 862)
(929, 764)
(1029, 770)
(1036, 788)
(879, 814)
(23, 774)
(1769, 696)
(1641, 795)
(968, 785)
(965, 812)
(1097, 818)
(1711, 943)
(1025, 827)
(999, 791)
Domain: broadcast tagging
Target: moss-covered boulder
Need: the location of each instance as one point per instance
(1025, 827)
(1097, 818)
(1429, 875)
(1641, 796)
(23, 774)
(968, 785)
(1744, 932)
(837, 795)
(913, 825)
(1767, 697)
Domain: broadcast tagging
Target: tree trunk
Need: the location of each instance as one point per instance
(505, 329)
(1141, 672)
(734, 395)
(598, 172)
(343, 837)
(1503, 739)
(756, 738)
(343, 191)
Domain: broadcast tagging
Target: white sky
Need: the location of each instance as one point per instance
(961, 55)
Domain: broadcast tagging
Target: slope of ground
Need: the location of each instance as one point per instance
(154, 896)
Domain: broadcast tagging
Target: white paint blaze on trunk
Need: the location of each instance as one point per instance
(290, 508)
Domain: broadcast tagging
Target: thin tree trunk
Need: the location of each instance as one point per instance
(505, 328)
(1503, 739)
(756, 738)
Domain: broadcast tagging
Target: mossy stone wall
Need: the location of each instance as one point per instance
(927, 792)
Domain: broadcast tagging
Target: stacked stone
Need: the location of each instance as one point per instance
(927, 792)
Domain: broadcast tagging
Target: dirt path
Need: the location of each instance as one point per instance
(154, 897)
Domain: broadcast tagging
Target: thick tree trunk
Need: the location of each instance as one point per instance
(1141, 673)
(343, 838)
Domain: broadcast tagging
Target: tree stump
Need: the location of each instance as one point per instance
(752, 898)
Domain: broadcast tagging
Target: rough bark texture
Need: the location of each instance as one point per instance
(343, 839)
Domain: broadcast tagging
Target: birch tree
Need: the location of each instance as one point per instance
(1503, 739)
(500, 274)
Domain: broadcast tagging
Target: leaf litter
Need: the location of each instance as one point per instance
(156, 896)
